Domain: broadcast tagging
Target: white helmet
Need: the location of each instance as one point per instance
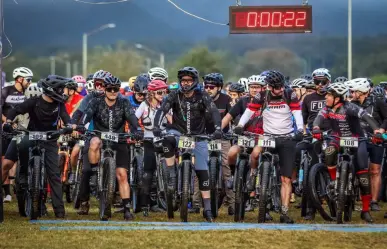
(158, 73)
(257, 80)
(338, 89)
(244, 82)
(33, 91)
(22, 72)
(321, 73)
(299, 83)
(359, 84)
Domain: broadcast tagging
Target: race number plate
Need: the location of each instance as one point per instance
(64, 138)
(215, 145)
(186, 143)
(37, 135)
(246, 142)
(266, 142)
(109, 136)
(351, 142)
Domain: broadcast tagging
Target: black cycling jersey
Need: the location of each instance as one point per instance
(110, 118)
(188, 113)
(10, 98)
(311, 105)
(44, 116)
(377, 108)
(222, 102)
(346, 120)
(240, 107)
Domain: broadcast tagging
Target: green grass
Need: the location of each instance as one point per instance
(17, 232)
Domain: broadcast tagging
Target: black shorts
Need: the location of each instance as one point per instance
(4, 145)
(375, 153)
(122, 155)
(11, 153)
(286, 149)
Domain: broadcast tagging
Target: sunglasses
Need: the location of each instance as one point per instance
(278, 87)
(255, 87)
(28, 80)
(112, 89)
(320, 82)
(211, 87)
(141, 94)
(161, 93)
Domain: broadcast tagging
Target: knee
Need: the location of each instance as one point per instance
(286, 180)
(233, 151)
(375, 170)
(330, 155)
(121, 175)
(204, 180)
(169, 145)
(255, 153)
(95, 144)
(7, 164)
(75, 150)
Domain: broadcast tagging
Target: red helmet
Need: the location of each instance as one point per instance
(155, 85)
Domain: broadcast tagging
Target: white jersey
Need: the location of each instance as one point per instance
(147, 115)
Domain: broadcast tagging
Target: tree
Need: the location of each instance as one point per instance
(283, 60)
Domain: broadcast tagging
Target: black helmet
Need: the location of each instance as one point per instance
(90, 77)
(213, 79)
(53, 87)
(71, 84)
(383, 84)
(378, 92)
(141, 83)
(275, 78)
(236, 87)
(112, 82)
(341, 79)
(188, 71)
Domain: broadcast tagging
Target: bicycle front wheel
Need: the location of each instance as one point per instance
(107, 187)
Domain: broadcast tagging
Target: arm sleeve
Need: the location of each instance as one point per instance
(321, 116)
(211, 108)
(130, 116)
(295, 108)
(140, 110)
(252, 107)
(354, 110)
(22, 108)
(164, 109)
(64, 115)
(76, 117)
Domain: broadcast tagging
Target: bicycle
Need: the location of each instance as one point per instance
(216, 176)
(268, 184)
(36, 190)
(136, 152)
(240, 175)
(75, 187)
(106, 171)
(64, 164)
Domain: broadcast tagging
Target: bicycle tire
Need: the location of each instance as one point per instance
(108, 186)
(316, 173)
(21, 194)
(342, 186)
(168, 195)
(77, 184)
(214, 171)
(35, 187)
(305, 190)
(239, 194)
(161, 191)
(263, 192)
(185, 193)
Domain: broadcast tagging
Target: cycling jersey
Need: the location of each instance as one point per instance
(147, 115)
(188, 112)
(277, 114)
(377, 108)
(44, 116)
(110, 118)
(312, 104)
(345, 121)
(73, 104)
(254, 124)
(10, 98)
(222, 102)
(135, 104)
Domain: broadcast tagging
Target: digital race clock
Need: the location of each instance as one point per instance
(270, 19)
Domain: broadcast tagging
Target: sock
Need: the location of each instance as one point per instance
(284, 210)
(93, 166)
(126, 203)
(332, 173)
(207, 204)
(7, 189)
(366, 200)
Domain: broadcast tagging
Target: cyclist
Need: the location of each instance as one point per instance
(379, 93)
(73, 97)
(139, 91)
(158, 73)
(109, 113)
(188, 107)
(235, 91)
(12, 96)
(360, 91)
(280, 107)
(81, 89)
(345, 119)
(146, 112)
(213, 84)
(45, 113)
